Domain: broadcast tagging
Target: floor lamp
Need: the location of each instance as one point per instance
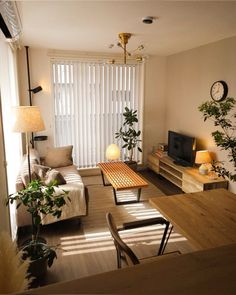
(34, 90)
(27, 119)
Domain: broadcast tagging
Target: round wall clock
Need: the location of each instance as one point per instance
(219, 90)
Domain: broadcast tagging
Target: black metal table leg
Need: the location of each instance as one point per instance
(103, 180)
(139, 194)
(164, 240)
(115, 197)
(126, 202)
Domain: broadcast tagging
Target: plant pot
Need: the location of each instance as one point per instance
(38, 268)
(38, 265)
(27, 242)
(132, 164)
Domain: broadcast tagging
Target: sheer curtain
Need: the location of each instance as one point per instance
(10, 97)
(89, 101)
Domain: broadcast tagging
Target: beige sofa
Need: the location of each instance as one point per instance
(73, 183)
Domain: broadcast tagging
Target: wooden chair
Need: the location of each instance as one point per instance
(123, 251)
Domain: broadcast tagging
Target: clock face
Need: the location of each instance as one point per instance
(219, 90)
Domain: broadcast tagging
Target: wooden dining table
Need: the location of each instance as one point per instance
(207, 219)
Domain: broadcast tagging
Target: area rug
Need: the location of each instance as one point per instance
(144, 241)
(101, 201)
(89, 248)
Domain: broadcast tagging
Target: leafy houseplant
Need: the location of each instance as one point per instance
(40, 201)
(128, 134)
(223, 113)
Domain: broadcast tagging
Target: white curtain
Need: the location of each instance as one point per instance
(90, 99)
(12, 141)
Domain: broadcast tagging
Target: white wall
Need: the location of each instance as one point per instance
(154, 103)
(190, 75)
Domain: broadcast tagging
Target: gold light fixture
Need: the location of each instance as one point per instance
(123, 41)
(124, 38)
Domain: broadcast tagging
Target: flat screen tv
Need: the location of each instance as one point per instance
(181, 148)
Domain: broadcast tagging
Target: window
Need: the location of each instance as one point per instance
(89, 101)
(12, 141)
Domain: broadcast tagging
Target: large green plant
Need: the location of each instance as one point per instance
(223, 115)
(40, 201)
(128, 132)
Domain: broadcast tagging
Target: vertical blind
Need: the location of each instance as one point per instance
(89, 101)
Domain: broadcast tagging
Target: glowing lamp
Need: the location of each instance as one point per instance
(112, 152)
(203, 158)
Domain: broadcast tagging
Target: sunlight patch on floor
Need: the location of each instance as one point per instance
(96, 242)
(139, 211)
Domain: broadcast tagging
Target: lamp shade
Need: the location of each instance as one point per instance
(112, 152)
(27, 119)
(202, 157)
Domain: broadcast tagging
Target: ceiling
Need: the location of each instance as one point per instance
(93, 25)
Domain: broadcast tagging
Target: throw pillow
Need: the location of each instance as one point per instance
(54, 176)
(40, 170)
(24, 170)
(59, 157)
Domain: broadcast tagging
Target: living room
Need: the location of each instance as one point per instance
(178, 76)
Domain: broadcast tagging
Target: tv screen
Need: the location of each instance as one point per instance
(181, 148)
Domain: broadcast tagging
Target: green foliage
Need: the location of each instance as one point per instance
(40, 201)
(223, 115)
(128, 134)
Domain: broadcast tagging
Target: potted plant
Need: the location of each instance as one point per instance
(129, 134)
(222, 112)
(40, 200)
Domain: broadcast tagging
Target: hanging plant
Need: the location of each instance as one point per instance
(223, 115)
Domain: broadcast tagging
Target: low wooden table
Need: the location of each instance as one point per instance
(121, 177)
(207, 219)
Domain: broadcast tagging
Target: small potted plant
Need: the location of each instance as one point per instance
(40, 200)
(129, 135)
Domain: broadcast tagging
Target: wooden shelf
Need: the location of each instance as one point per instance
(187, 178)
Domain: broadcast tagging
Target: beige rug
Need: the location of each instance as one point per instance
(102, 201)
(89, 249)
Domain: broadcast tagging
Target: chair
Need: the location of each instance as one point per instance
(123, 251)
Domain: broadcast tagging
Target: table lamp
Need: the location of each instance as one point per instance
(27, 119)
(112, 152)
(203, 158)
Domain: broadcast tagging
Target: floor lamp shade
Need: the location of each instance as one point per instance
(28, 119)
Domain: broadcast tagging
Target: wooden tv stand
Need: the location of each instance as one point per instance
(186, 178)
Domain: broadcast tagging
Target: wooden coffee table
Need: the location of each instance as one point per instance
(122, 177)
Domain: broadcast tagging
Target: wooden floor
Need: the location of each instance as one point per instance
(85, 246)
(163, 184)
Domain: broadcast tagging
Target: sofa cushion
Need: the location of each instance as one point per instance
(55, 177)
(40, 170)
(24, 170)
(59, 157)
